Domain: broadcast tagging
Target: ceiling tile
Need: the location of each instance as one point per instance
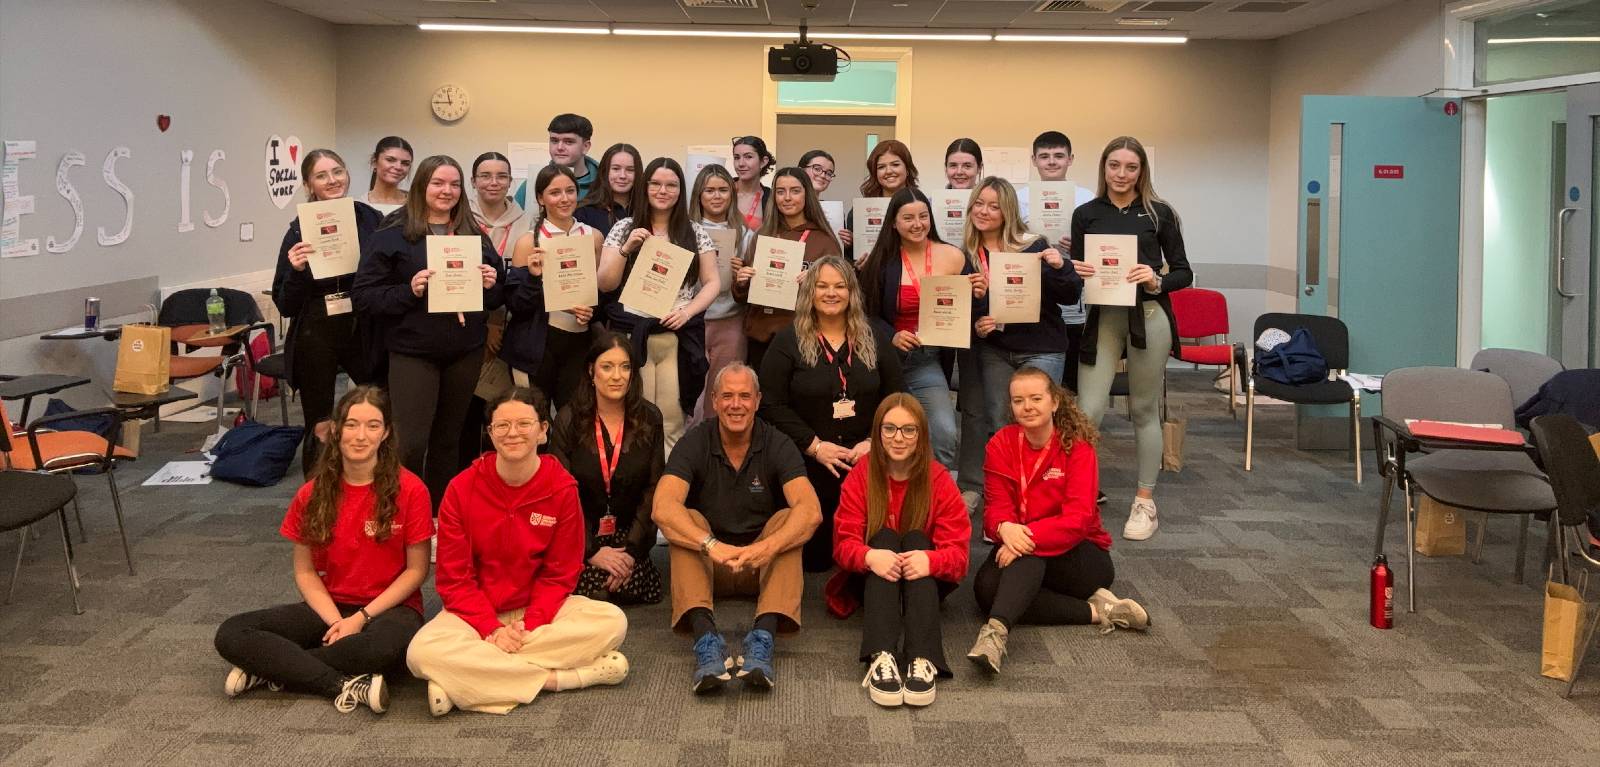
(883, 13)
(828, 13)
(981, 15)
(642, 11)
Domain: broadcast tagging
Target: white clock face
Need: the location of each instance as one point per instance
(449, 103)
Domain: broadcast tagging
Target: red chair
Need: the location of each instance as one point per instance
(1203, 314)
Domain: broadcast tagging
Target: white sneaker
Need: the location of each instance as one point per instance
(364, 690)
(438, 702)
(1142, 521)
(240, 681)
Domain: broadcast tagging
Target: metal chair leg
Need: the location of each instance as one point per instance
(1522, 549)
(1233, 409)
(77, 511)
(72, 571)
(283, 401)
(1383, 515)
(1583, 650)
(1355, 433)
(1411, 545)
(1249, 421)
(1477, 546)
(16, 572)
(116, 504)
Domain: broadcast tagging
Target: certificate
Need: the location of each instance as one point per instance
(330, 227)
(833, 210)
(1014, 287)
(727, 250)
(568, 273)
(456, 284)
(1112, 255)
(1050, 206)
(950, 214)
(777, 279)
(867, 216)
(944, 312)
(658, 270)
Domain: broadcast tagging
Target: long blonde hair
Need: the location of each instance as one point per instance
(857, 329)
(919, 486)
(1013, 235)
(1145, 188)
(731, 218)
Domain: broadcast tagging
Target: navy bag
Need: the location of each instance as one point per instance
(254, 453)
(1294, 362)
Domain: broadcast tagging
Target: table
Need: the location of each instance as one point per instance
(149, 405)
(27, 387)
(108, 332)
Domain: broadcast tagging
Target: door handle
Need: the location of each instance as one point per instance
(1561, 252)
(1313, 275)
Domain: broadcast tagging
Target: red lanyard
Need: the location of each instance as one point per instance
(1027, 476)
(607, 470)
(983, 258)
(751, 219)
(804, 234)
(849, 358)
(489, 232)
(927, 267)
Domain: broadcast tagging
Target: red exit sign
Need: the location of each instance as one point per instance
(1388, 171)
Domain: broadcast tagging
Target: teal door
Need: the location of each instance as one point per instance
(1380, 201)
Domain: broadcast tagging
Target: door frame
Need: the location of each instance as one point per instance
(901, 111)
(1576, 262)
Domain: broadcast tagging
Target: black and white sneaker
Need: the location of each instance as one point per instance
(883, 681)
(240, 681)
(365, 690)
(919, 689)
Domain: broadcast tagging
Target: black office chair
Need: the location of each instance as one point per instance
(1333, 340)
(185, 312)
(1574, 471)
(27, 497)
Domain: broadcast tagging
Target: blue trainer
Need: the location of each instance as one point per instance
(755, 669)
(711, 662)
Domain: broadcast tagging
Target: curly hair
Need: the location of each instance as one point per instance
(327, 477)
(1070, 422)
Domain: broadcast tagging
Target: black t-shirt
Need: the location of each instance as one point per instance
(799, 399)
(736, 502)
(638, 468)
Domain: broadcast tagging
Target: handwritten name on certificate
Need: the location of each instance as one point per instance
(866, 223)
(1050, 206)
(1113, 255)
(950, 213)
(658, 270)
(1014, 287)
(727, 250)
(456, 284)
(777, 279)
(569, 272)
(330, 227)
(944, 314)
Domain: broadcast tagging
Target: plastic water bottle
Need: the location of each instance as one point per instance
(216, 312)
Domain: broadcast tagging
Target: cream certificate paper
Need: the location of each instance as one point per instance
(944, 312)
(701, 155)
(867, 215)
(568, 273)
(1050, 206)
(950, 213)
(833, 210)
(777, 279)
(1112, 255)
(658, 270)
(1015, 285)
(727, 250)
(330, 227)
(456, 284)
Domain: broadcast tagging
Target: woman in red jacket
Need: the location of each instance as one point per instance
(510, 550)
(1051, 563)
(902, 531)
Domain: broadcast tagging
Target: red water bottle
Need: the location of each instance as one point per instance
(1382, 610)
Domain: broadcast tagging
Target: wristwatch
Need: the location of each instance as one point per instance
(364, 614)
(705, 545)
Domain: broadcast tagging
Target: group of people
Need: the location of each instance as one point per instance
(733, 430)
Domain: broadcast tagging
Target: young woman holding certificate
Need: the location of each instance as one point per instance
(541, 345)
(360, 529)
(822, 379)
(752, 161)
(391, 163)
(901, 538)
(963, 168)
(611, 201)
(908, 251)
(711, 204)
(434, 355)
(794, 214)
(501, 219)
(1127, 205)
(672, 348)
(325, 335)
(1051, 561)
(889, 169)
(610, 439)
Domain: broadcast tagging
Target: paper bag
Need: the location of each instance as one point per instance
(1172, 431)
(1441, 529)
(1563, 628)
(143, 362)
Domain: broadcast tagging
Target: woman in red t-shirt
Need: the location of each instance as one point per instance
(1051, 563)
(361, 529)
(902, 530)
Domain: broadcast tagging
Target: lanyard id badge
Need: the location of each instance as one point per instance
(337, 304)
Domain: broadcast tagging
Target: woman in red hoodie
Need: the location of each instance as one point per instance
(902, 530)
(510, 549)
(1051, 563)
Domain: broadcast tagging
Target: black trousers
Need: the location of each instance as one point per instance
(430, 399)
(323, 346)
(1069, 372)
(902, 617)
(283, 644)
(1044, 591)
(561, 370)
(817, 555)
(755, 351)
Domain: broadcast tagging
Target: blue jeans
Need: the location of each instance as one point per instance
(998, 365)
(925, 380)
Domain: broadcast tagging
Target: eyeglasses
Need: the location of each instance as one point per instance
(820, 171)
(909, 431)
(502, 428)
(504, 178)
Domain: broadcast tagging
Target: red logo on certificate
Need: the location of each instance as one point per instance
(455, 263)
(658, 268)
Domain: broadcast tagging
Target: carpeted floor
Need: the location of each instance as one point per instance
(1260, 652)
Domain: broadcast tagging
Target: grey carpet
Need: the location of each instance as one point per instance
(1260, 653)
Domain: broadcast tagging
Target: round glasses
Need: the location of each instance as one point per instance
(502, 428)
(909, 431)
(821, 171)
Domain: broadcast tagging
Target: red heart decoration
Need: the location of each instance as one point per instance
(294, 153)
(163, 122)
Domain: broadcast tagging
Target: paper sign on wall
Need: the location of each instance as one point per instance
(283, 170)
(1011, 163)
(527, 157)
(14, 203)
(698, 156)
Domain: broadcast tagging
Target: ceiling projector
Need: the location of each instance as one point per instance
(803, 61)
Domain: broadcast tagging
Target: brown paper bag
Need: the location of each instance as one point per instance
(143, 362)
(1594, 439)
(1441, 529)
(1563, 628)
(1172, 431)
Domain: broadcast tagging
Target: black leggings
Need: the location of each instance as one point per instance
(283, 644)
(909, 610)
(323, 346)
(1044, 591)
(817, 555)
(430, 400)
(561, 369)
